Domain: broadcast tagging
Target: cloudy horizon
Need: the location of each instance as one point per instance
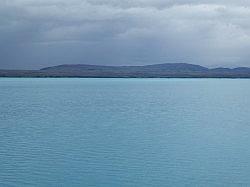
(40, 33)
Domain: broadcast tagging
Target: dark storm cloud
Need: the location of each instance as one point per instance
(38, 33)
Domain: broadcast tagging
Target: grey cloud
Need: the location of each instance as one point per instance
(37, 33)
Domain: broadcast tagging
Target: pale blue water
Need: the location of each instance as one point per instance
(124, 132)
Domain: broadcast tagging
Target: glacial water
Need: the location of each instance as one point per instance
(124, 132)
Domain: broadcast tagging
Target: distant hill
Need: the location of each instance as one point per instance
(167, 70)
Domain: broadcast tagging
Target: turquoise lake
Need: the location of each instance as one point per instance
(124, 132)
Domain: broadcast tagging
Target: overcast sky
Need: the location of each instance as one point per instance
(40, 33)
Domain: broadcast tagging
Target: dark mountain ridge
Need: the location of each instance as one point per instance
(168, 70)
(166, 67)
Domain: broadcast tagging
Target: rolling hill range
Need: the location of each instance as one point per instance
(167, 70)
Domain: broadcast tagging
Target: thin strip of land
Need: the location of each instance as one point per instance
(168, 70)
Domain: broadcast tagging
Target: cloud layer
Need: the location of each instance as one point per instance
(38, 33)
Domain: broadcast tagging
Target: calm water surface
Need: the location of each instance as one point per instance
(124, 132)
